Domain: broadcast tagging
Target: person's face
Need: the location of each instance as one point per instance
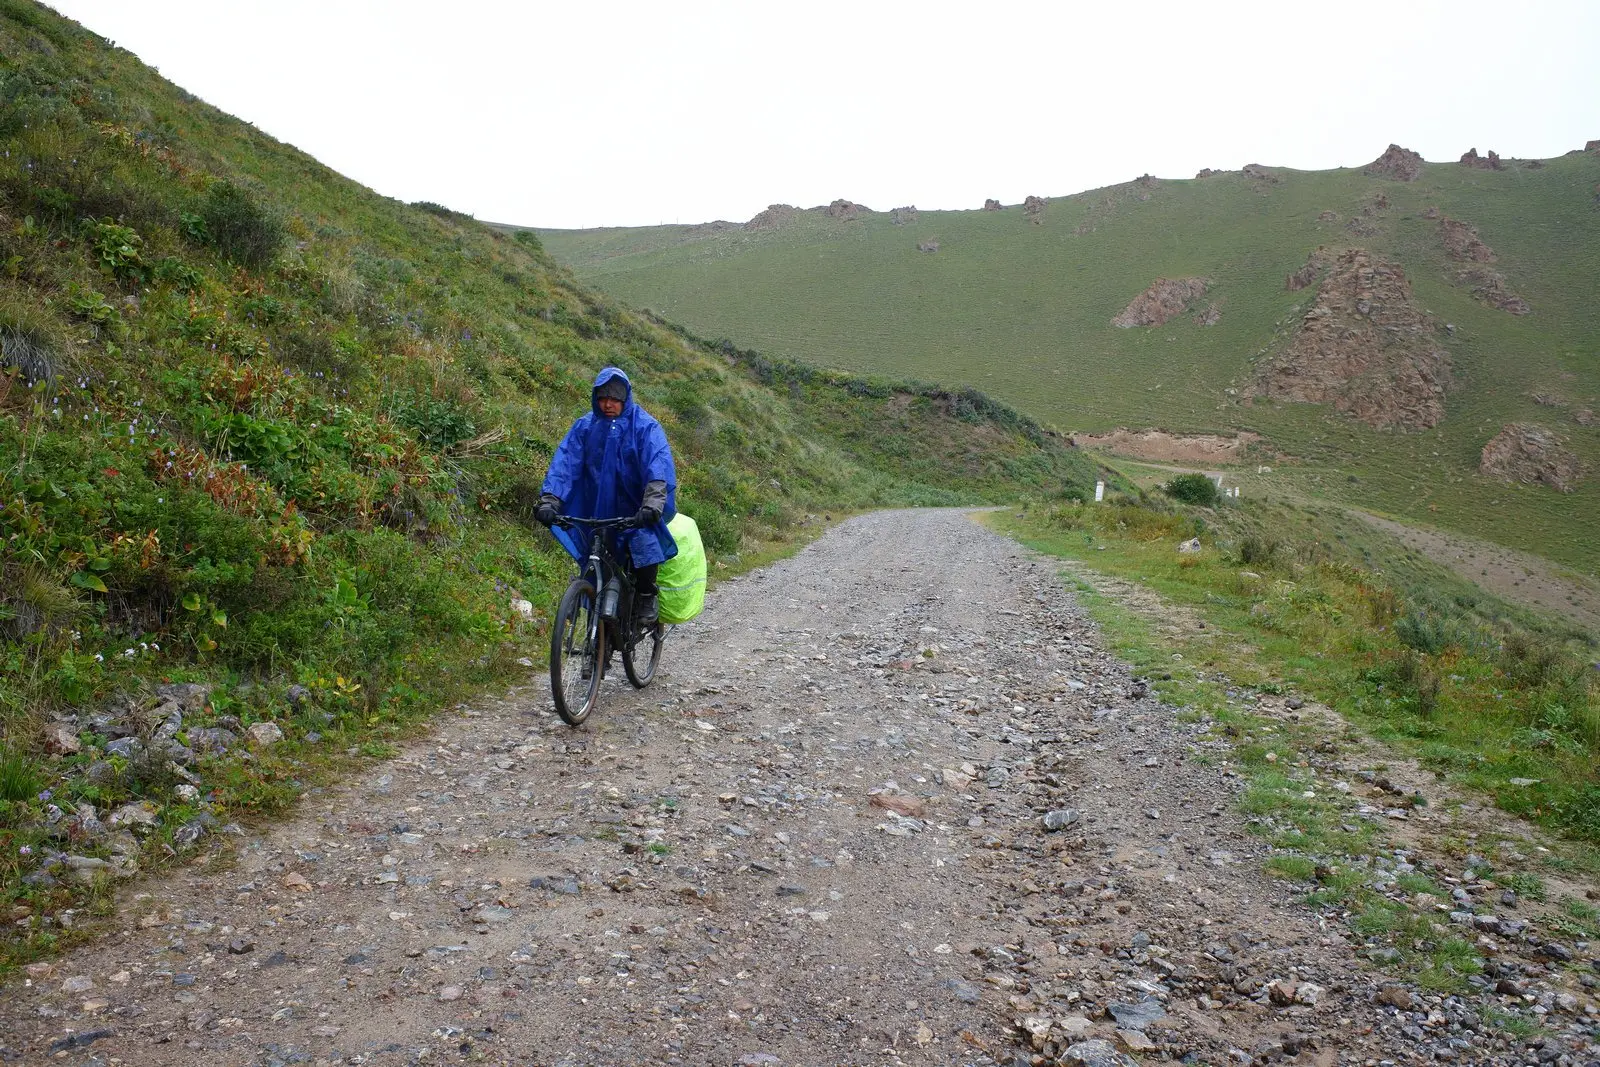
(610, 407)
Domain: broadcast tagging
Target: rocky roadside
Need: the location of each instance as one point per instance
(890, 802)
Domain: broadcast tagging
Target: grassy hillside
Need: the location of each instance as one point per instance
(267, 432)
(1024, 312)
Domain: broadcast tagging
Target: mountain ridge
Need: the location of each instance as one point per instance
(1497, 263)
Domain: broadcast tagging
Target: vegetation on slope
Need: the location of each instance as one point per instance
(1302, 596)
(1025, 313)
(266, 431)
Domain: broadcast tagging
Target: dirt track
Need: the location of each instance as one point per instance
(890, 802)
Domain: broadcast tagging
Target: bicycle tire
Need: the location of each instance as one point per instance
(576, 658)
(656, 635)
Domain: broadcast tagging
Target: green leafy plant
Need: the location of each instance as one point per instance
(118, 249)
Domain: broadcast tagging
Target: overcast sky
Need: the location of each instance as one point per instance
(590, 112)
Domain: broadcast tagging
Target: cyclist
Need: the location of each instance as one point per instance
(614, 462)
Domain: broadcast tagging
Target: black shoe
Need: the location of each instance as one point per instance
(645, 611)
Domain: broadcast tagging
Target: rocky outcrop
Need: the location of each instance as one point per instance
(1307, 274)
(1261, 175)
(1489, 287)
(1209, 315)
(1470, 158)
(900, 216)
(1592, 146)
(1206, 172)
(1166, 299)
(993, 205)
(927, 246)
(1033, 208)
(1398, 163)
(776, 216)
(710, 229)
(1533, 455)
(845, 209)
(1463, 242)
(1364, 347)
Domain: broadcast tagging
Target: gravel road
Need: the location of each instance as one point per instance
(889, 802)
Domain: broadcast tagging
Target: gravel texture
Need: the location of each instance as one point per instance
(889, 802)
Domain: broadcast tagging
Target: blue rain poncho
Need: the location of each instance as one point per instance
(600, 470)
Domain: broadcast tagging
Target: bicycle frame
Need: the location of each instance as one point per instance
(599, 567)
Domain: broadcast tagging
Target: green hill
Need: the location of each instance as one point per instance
(267, 431)
(1024, 312)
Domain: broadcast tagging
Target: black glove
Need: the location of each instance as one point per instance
(652, 504)
(547, 509)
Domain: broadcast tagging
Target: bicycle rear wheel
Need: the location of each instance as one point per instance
(641, 656)
(577, 650)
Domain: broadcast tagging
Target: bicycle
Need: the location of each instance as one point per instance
(595, 616)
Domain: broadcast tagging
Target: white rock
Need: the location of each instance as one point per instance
(142, 813)
(263, 734)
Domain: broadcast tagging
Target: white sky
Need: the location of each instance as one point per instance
(613, 112)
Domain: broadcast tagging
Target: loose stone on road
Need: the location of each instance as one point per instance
(890, 801)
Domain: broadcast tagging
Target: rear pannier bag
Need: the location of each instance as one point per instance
(682, 579)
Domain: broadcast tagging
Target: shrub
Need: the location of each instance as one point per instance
(1193, 489)
(1256, 550)
(235, 224)
(530, 239)
(1431, 632)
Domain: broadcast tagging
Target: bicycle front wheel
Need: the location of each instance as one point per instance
(641, 657)
(577, 650)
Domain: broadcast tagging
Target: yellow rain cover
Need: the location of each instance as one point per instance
(682, 579)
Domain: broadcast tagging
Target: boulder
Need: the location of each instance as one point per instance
(190, 697)
(900, 216)
(263, 734)
(1033, 208)
(927, 246)
(212, 739)
(993, 205)
(61, 739)
(141, 814)
(1095, 1053)
(129, 748)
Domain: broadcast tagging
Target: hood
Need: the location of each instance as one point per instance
(605, 375)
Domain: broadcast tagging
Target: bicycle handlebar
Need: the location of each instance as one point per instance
(626, 523)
